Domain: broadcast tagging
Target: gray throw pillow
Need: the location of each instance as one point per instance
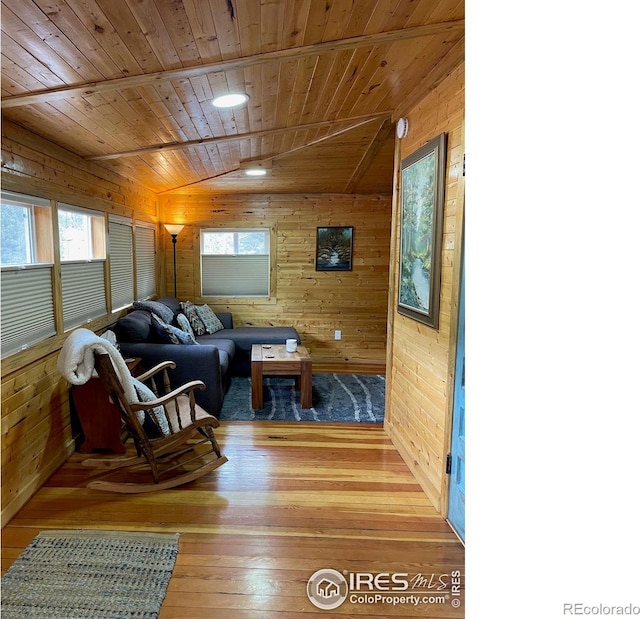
(183, 336)
(146, 395)
(173, 334)
(189, 310)
(211, 321)
(184, 324)
(160, 309)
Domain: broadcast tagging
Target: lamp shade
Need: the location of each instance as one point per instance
(173, 228)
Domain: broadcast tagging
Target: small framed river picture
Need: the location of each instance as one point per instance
(334, 248)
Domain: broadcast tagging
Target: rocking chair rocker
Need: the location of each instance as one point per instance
(173, 436)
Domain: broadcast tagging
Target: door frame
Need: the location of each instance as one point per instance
(453, 333)
(459, 368)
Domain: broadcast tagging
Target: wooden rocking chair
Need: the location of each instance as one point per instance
(171, 453)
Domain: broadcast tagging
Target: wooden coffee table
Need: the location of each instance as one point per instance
(274, 360)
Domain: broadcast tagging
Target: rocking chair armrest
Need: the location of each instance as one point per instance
(202, 362)
(172, 395)
(161, 366)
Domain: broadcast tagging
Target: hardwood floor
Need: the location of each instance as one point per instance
(293, 499)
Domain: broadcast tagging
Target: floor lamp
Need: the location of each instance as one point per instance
(174, 230)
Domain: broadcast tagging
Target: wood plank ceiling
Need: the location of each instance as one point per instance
(129, 84)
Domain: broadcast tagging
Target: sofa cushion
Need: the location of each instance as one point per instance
(160, 309)
(244, 337)
(134, 327)
(211, 321)
(225, 345)
(226, 318)
(226, 351)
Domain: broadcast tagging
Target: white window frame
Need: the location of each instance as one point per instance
(235, 275)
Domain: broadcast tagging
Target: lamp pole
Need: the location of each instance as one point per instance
(174, 240)
(174, 230)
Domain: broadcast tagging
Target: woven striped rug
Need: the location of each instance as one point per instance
(341, 398)
(90, 575)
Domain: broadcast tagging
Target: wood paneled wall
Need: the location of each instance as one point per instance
(420, 360)
(36, 433)
(36, 430)
(315, 303)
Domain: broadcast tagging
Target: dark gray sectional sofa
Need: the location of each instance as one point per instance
(213, 360)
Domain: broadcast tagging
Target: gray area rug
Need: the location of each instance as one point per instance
(90, 575)
(345, 398)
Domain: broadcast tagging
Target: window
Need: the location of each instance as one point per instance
(82, 253)
(17, 242)
(26, 230)
(235, 262)
(26, 254)
(82, 234)
(121, 261)
(145, 261)
(46, 290)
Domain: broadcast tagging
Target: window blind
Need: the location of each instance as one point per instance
(145, 262)
(246, 275)
(27, 307)
(121, 264)
(83, 292)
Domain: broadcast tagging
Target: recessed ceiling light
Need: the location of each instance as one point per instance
(255, 172)
(231, 100)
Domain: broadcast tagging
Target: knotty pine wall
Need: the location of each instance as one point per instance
(36, 433)
(36, 428)
(421, 360)
(316, 303)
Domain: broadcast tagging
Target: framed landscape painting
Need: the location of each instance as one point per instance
(334, 248)
(422, 188)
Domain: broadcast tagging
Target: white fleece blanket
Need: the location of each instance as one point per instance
(76, 361)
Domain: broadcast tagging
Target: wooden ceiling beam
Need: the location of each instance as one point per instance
(329, 136)
(149, 79)
(358, 120)
(200, 180)
(268, 160)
